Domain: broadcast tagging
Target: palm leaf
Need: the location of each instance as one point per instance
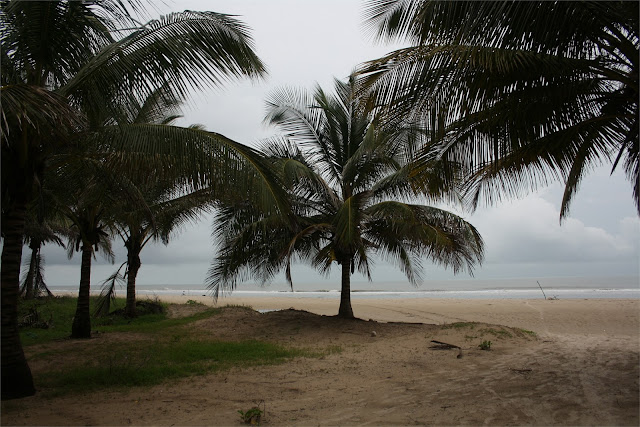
(493, 78)
(180, 51)
(108, 293)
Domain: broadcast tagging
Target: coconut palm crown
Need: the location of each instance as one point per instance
(526, 91)
(349, 178)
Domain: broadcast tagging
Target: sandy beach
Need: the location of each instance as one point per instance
(580, 368)
(573, 317)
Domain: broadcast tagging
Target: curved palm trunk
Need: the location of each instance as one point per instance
(134, 265)
(16, 376)
(345, 310)
(81, 327)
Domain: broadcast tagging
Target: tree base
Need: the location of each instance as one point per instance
(346, 314)
(17, 382)
(81, 330)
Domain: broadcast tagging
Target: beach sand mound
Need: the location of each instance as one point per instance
(304, 329)
(377, 373)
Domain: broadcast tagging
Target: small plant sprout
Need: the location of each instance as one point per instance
(254, 415)
(486, 345)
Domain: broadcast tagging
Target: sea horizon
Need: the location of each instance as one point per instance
(509, 288)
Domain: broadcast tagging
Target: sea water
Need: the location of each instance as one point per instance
(516, 288)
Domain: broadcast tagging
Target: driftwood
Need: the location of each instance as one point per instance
(443, 345)
(439, 345)
(521, 371)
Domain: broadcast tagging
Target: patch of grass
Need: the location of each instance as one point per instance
(530, 333)
(321, 354)
(161, 349)
(333, 349)
(485, 345)
(145, 365)
(497, 332)
(46, 354)
(461, 325)
(124, 324)
(154, 323)
(57, 311)
(253, 415)
(240, 306)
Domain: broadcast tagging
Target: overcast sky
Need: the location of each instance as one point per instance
(308, 42)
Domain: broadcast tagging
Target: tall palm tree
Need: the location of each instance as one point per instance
(524, 92)
(98, 58)
(85, 194)
(27, 111)
(350, 181)
(168, 202)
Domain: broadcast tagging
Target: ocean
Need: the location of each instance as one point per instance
(516, 288)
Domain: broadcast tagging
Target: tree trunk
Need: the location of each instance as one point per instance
(30, 280)
(16, 376)
(81, 327)
(345, 310)
(134, 266)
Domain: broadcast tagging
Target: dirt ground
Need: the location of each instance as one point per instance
(385, 374)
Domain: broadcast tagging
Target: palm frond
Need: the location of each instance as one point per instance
(73, 32)
(499, 81)
(347, 222)
(200, 158)
(108, 293)
(180, 51)
(246, 250)
(39, 111)
(32, 283)
(406, 231)
(299, 116)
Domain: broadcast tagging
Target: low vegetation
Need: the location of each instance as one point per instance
(143, 351)
(485, 345)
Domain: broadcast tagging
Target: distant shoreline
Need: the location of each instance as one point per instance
(506, 294)
(504, 288)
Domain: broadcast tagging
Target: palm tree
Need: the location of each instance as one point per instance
(167, 202)
(523, 92)
(85, 194)
(39, 231)
(27, 111)
(347, 174)
(84, 68)
(91, 234)
(168, 209)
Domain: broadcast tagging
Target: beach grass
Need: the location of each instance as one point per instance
(58, 312)
(461, 325)
(147, 364)
(143, 351)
